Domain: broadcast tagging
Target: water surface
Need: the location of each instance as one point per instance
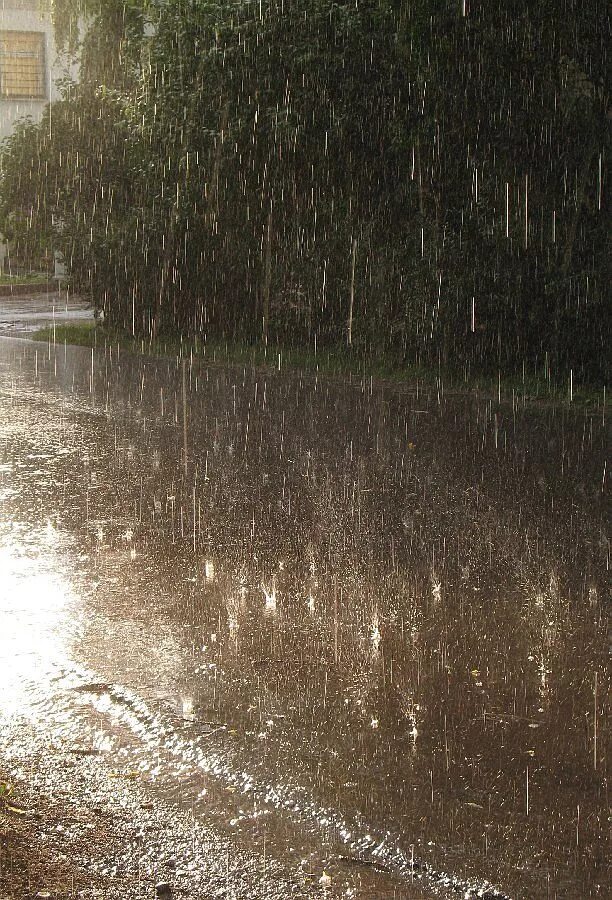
(346, 622)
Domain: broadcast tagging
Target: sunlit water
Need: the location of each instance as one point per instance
(352, 623)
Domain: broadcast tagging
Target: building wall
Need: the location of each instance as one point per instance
(30, 16)
(23, 21)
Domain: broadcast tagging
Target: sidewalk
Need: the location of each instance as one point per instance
(21, 315)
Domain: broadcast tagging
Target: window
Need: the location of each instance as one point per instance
(19, 4)
(22, 64)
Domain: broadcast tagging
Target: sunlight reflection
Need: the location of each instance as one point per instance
(270, 595)
(375, 635)
(33, 600)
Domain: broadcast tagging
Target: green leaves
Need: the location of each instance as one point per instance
(217, 161)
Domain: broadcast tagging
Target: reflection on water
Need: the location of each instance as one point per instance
(35, 599)
(379, 613)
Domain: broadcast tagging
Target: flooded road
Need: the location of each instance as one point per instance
(25, 313)
(361, 631)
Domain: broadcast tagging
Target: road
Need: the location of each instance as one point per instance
(350, 637)
(23, 314)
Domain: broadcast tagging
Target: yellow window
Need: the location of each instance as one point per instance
(22, 64)
(20, 4)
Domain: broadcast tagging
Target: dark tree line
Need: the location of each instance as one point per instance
(422, 179)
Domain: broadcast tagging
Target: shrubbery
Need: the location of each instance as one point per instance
(274, 170)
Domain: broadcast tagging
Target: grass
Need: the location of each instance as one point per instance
(331, 362)
(335, 361)
(82, 334)
(25, 279)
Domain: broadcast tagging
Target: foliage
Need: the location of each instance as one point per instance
(81, 334)
(269, 171)
(104, 35)
(35, 278)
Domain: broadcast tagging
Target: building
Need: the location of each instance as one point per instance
(29, 66)
(28, 61)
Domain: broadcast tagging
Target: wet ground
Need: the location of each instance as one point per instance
(26, 313)
(354, 634)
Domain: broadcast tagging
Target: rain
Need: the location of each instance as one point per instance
(304, 551)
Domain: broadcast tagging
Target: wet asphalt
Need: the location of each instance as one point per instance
(24, 314)
(355, 633)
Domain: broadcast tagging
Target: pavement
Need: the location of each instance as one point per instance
(27, 313)
(264, 635)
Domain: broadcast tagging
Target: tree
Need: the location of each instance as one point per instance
(421, 179)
